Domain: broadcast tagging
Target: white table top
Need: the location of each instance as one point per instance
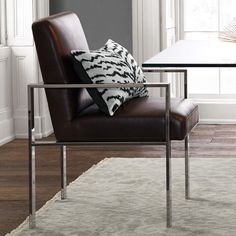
(195, 53)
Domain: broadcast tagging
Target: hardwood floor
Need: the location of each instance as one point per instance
(205, 141)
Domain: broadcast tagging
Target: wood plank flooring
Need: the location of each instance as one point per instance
(213, 141)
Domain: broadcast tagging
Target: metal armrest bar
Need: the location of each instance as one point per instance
(108, 85)
(31, 88)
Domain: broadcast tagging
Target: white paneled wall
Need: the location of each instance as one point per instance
(20, 15)
(6, 107)
(43, 119)
(23, 73)
(18, 68)
(146, 34)
(170, 34)
(154, 29)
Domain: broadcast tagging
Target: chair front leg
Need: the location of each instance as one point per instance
(32, 193)
(168, 186)
(187, 186)
(31, 139)
(63, 173)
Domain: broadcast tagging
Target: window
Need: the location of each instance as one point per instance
(2, 22)
(204, 19)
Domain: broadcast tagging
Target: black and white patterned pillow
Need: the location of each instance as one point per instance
(110, 64)
(124, 53)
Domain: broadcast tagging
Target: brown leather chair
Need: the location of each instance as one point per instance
(77, 120)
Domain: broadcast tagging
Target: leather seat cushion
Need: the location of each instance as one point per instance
(140, 119)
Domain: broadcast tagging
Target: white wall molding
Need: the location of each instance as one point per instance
(42, 8)
(137, 13)
(6, 107)
(6, 126)
(20, 68)
(23, 73)
(22, 127)
(154, 29)
(146, 34)
(26, 71)
(217, 121)
(5, 113)
(20, 15)
(7, 131)
(216, 111)
(146, 29)
(3, 22)
(46, 125)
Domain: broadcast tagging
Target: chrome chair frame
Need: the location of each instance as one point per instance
(32, 142)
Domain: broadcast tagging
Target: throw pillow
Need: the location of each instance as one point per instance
(124, 53)
(110, 64)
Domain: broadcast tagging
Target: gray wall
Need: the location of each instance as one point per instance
(101, 19)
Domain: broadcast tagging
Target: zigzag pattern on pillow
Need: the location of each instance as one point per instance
(111, 64)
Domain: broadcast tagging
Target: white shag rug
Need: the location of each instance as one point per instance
(124, 197)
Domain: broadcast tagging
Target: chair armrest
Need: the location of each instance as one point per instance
(31, 87)
(108, 85)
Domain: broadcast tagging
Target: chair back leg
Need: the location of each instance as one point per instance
(187, 186)
(63, 172)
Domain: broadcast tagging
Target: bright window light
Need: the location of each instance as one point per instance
(204, 19)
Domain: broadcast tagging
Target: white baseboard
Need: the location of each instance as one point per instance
(46, 125)
(43, 127)
(21, 127)
(7, 140)
(49, 132)
(217, 122)
(217, 113)
(7, 131)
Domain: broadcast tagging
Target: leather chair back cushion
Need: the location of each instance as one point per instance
(55, 37)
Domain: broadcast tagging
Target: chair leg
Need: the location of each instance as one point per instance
(32, 193)
(187, 187)
(63, 173)
(168, 186)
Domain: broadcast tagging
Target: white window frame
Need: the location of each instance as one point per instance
(214, 108)
(195, 96)
(3, 33)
